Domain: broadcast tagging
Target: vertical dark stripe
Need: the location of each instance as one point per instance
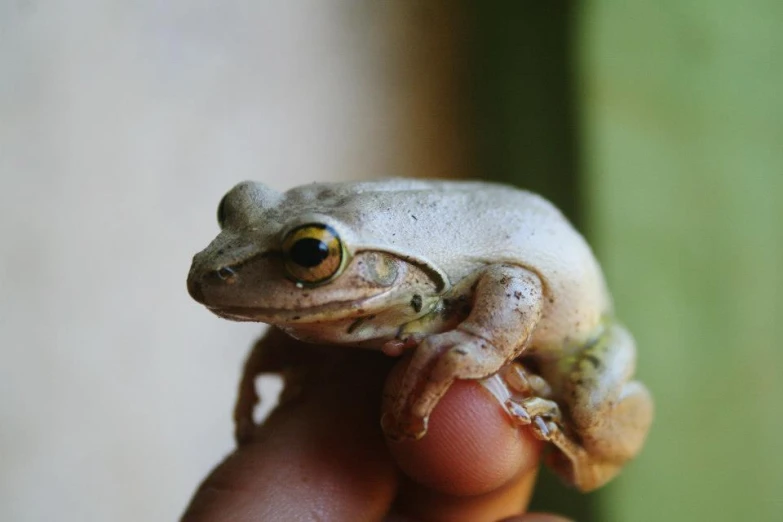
(524, 119)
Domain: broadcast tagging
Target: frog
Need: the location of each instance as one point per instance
(471, 280)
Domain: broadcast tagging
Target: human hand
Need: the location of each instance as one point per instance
(323, 456)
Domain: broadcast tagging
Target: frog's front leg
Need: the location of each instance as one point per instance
(506, 306)
(608, 414)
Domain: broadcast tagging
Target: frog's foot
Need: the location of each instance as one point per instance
(522, 382)
(436, 363)
(570, 461)
(525, 397)
(513, 387)
(589, 458)
(542, 415)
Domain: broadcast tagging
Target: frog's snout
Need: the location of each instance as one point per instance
(194, 282)
(199, 277)
(215, 270)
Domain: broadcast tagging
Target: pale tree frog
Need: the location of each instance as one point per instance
(481, 281)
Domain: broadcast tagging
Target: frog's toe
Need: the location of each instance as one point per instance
(543, 429)
(542, 415)
(399, 429)
(519, 380)
(396, 347)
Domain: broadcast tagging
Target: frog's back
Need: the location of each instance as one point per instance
(461, 226)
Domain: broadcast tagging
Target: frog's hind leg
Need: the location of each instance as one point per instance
(601, 455)
(611, 414)
(606, 416)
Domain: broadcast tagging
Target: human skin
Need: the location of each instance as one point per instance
(323, 456)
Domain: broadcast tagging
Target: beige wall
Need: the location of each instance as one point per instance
(121, 125)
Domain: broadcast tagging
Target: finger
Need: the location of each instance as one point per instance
(473, 460)
(321, 455)
(420, 503)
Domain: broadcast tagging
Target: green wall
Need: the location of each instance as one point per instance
(525, 122)
(682, 137)
(658, 127)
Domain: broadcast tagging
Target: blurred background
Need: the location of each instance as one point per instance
(656, 126)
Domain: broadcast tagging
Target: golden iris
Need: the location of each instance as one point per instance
(313, 254)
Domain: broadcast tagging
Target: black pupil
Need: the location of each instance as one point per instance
(309, 252)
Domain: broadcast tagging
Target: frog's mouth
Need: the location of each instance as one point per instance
(372, 283)
(335, 311)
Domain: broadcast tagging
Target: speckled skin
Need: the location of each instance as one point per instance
(471, 276)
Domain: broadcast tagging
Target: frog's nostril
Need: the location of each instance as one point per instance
(226, 274)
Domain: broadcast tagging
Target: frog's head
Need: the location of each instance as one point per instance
(286, 260)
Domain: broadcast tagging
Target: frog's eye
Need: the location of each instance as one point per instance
(313, 254)
(221, 212)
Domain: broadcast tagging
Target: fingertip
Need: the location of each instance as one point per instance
(470, 448)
